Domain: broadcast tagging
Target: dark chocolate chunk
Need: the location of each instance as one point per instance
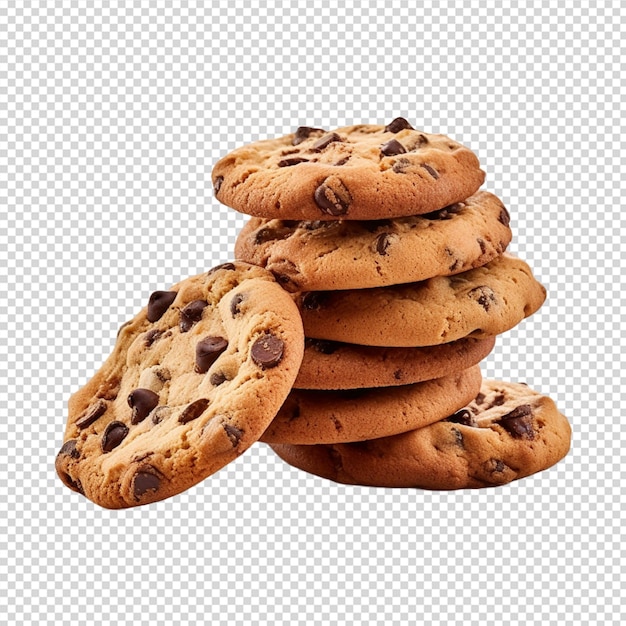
(431, 170)
(333, 197)
(303, 133)
(145, 481)
(484, 295)
(217, 378)
(114, 434)
(233, 433)
(96, 410)
(267, 351)
(504, 216)
(447, 213)
(235, 302)
(217, 185)
(151, 336)
(397, 125)
(519, 422)
(222, 266)
(314, 300)
(191, 314)
(498, 400)
(342, 161)
(392, 148)
(323, 346)
(207, 352)
(193, 410)
(69, 449)
(325, 141)
(292, 161)
(483, 246)
(421, 140)
(142, 401)
(463, 416)
(498, 465)
(480, 398)
(401, 166)
(272, 234)
(159, 303)
(383, 241)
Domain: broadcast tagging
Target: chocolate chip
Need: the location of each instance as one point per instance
(462, 416)
(303, 133)
(342, 161)
(272, 234)
(498, 400)
(69, 449)
(447, 213)
(142, 401)
(235, 302)
(267, 350)
(498, 465)
(217, 185)
(159, 303)
(483, 246)
(323, 346)
(114, 434)
(480, 398)
(191, 314)
(383, 241)
(292, 161)
(151, 336)
(504, 216)
(325, 141)
(458, 437)
(145, 481)
(333, 197)
(392, 148)
(217, 378)
(207, 352)
(193, 411)
(397, 374)
(401, 166)
(223, 266)
(518, 423)
(314, 300)
(484, 295)
(96, 410)
(397, 125)
(431, 170)
(233, 433)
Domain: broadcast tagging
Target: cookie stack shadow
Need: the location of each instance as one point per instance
(402, 278)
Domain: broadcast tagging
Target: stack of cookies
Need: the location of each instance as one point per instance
(370, 281)
(397, 263)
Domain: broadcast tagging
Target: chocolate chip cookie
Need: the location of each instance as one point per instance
(509, 431)
(320, 255)
(335, 365)
(310, 417)
(194, 379)
(361, 172)
(481, 302)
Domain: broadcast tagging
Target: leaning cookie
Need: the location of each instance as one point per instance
(335, 365)
(481, 302)
(310, 417)
(508, 432)
(359, 172)
(193, 381)
(328, 255)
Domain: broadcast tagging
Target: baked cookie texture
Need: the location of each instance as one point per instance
(327, 255)
(335, 365)
(194, 379)
(358, 172)
(506, 433)
(481, 302)
(310, 417)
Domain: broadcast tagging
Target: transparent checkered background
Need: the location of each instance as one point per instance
(112, 116)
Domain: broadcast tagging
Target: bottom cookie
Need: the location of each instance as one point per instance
(507, 432)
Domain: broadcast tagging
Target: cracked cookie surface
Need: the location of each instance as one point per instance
(193, 380)
(309, 256)
(310, 417)
(481, 302)
(506, 433)
(357, 172)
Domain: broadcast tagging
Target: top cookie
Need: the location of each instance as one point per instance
(194, 379)
(360, 172)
